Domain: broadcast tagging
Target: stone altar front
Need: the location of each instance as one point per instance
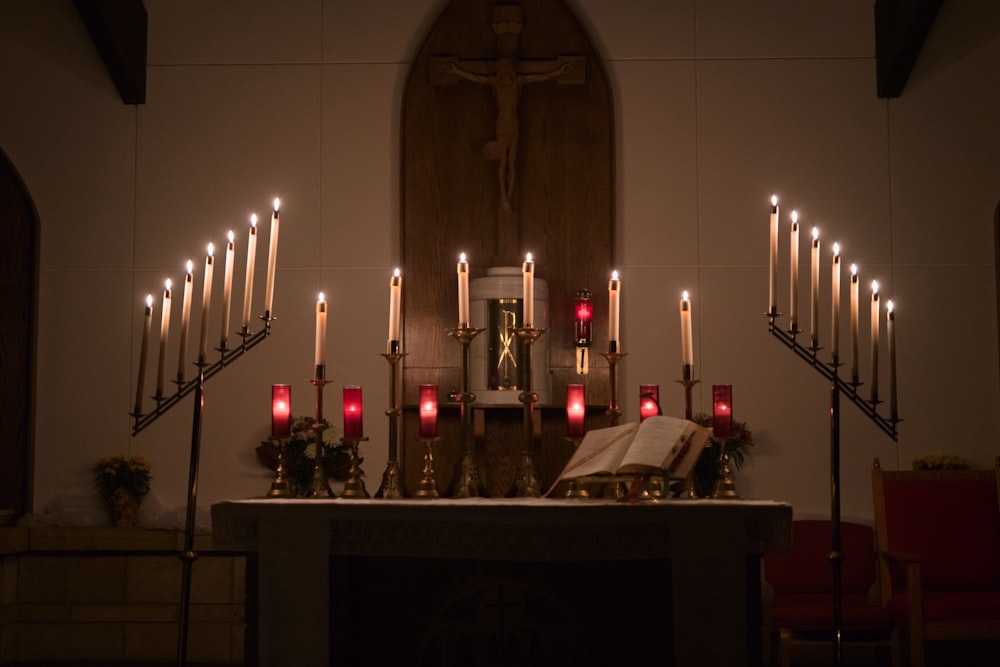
(342, 580)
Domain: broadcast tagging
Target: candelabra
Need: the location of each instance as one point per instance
(428, 484)
(838, 386)
(320, 486)
(526, 476)
(354, 487)
(467, 482)
(392, 483)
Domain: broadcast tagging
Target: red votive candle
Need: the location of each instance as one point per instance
(649, 401)
(353, 426)
(428, 411)
(575, 411)
(583, 308)
(281, 410)
(722, 410)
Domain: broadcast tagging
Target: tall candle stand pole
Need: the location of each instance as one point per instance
(688, 383)
(467, 482)
(838, 386)
(613, 411)
(354, 487)
(320, 486)
(526, 476)
(392, 482)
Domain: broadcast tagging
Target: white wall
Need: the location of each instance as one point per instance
(719, 104)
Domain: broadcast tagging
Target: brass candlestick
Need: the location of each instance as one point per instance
(279, 485)
(392, 479)
(613, 411)
(354, 487)
(467, 481)
(724, 486)
(428, 485)
(320, 486)
(688, 384)
(576, 489)
(526, 476)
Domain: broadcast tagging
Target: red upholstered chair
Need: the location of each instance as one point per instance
(801, 580)
(938, 537)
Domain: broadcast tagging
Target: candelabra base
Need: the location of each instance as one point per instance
(320, 486)
(354, 487)
(467, 482)
(280, 488)
(428, 487)
(392, 482)
(725, 487)
(527, 479)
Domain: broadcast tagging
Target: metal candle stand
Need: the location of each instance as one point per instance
(613, 411)
(428, 484)
(575, 489)
(467, 482)
(320, 486)
(526, 477)
(838, 386)
(392, 482)
(163, 405)
(688, 383)
(354, 487)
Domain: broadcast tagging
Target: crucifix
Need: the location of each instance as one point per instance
(506, 76)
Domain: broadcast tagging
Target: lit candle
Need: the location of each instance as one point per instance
(649, 401)
(147, 324)
(272, 258)
(875, 325)
(185, 320)
(395, 293)
(164, 334)
(687, 347)
(353, 424)
(575, 411)
(321, 337)
(528, 275)
(206, 302)
(854, 323)
(835, 307)
(722, 410)
(281, 411)
(428, 410)
(793, 313)
(772, 307)
(890, 332)
(227, 292)
(814, 290)
(251, 258)
(463, 292)
(614, 312)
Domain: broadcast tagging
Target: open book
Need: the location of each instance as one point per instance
(658, 445)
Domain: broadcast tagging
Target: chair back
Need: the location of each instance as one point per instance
(806, 568)
(950, 519)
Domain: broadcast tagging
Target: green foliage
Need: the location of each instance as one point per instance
(131, 473)
(300, 453)
(708, 469)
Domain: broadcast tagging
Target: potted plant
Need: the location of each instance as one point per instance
(123, 481)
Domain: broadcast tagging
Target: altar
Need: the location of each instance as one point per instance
(494, 581)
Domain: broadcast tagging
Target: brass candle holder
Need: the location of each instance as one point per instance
(354, 487)
(575, 489)
(467, 480)
(688, 383)
(526, 477)
(428, 487)
(613, 411)
(725, 487)
(280, 488)
(392, 478)
(320, 486)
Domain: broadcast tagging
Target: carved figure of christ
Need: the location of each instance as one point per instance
(506, 84)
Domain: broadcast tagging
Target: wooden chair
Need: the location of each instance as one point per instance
(938, 539)
(802, 583)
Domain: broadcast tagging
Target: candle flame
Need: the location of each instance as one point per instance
(253, 219)
(321, 298)
(614, 275)
(527, 257)
(684, 295)
(190, 267)
(231, 236)
(854, 269)
(795, 217)
(277, 204)
(167, 283)
(836, 249)
(815, 233)
(874, 287)
(774, 200)
(888, 306)
(396, 272)
(461, 257)
(211, 249)
(149, 301)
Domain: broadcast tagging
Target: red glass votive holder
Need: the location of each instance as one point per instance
(428, 411)
(722, 410)
(281, 411)
(583, 309)
(353, 425)
(576, 411)
(649, 401)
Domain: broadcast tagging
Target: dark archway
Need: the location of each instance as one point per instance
(18, 327)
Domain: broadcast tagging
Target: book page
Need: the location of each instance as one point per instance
(600, 452)
(657, 441)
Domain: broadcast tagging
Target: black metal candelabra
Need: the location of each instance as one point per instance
(838, 387)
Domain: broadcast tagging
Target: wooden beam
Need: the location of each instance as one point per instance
(901, 26)
(118, 30)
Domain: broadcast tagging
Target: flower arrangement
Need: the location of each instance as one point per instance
(708, 468)
(130, 473)
(300, 454)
